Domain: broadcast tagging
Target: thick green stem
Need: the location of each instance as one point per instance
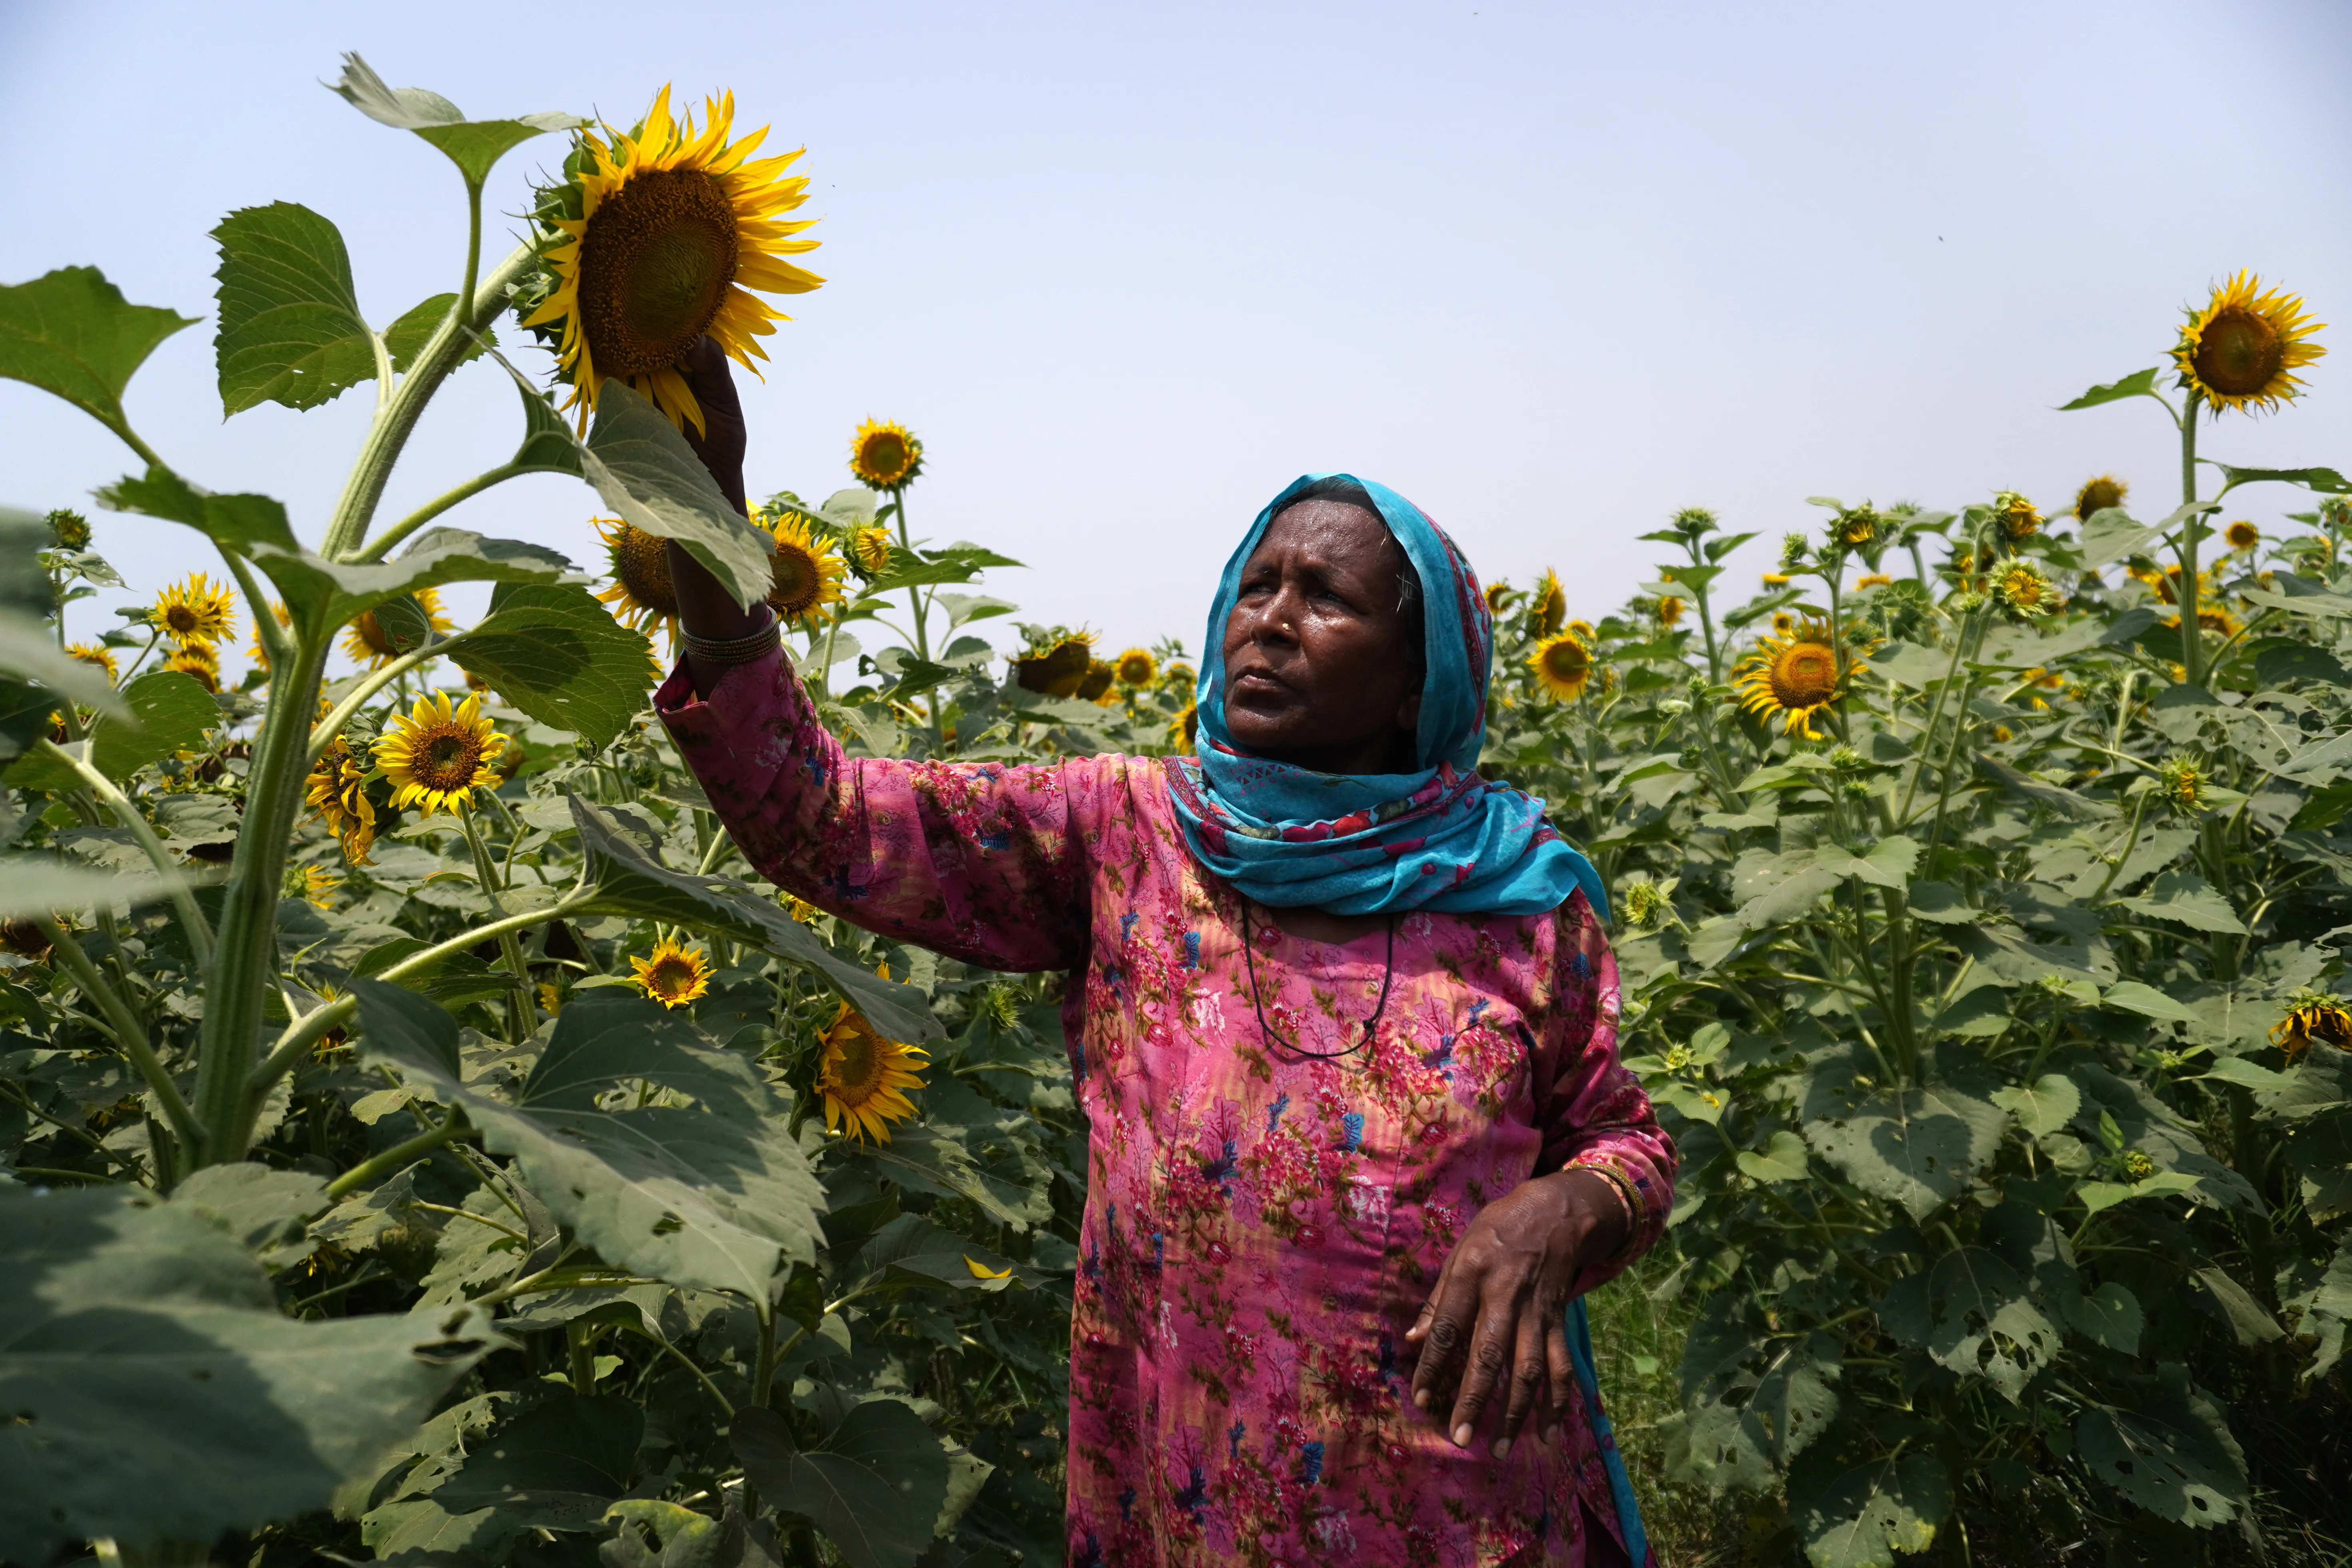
(266, 629)
(518, 996)
(192, 918)
(128, 1032)
(397, 1158)
(381, 546)
(396, 421)
(922, 641)
(2192, 635)
(246, 958)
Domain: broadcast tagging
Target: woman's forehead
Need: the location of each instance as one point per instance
(1330, 532)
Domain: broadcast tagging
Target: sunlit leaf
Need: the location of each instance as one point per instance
(290, 327)
(559, 655)
(71, 333)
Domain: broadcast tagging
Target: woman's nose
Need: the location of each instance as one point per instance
(1277, 619)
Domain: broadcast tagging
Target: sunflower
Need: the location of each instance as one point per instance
(69, 528)
(2018, 517)
(367, 643)
(2216, 619)
(805, 572)
(869, 547)
(1100, 684)
(2098, 494)
(1563, 664)
(863, 1078)
(1058, 667)
(95, 653)
(1547, 610)
(1776, 579)
(675, 973)
(2244, 346)
(1184, 730)
(314, 883)
(196, 610)
(2026, 588)
(1670, 611)
(1497, 596)
(674, 229)
(551, 999)
(1870, 580)
(2183, 783)
(254, 650)
(198, 660)
(2241, 536)
(1178, 676)
(1856, 526)
(1136, 667)
(885, 456)
(336, 792)
(1793, 675)
(438, 755)
(2313, 1015)
(1783, 623)
(642, 595)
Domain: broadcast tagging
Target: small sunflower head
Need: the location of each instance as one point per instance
(804, 574)
(1499, 597)
(1563, 665)
(642, 595)
(1793, 677)
(97, 655)
(2241, 536)
(1856, 527)
(1136, 667)
(2018, 517)
(1548, 606)
(2241, 350)
(1776, 579)
(195, 610)
(2098, 494)
(1644, 901)
(2311, 1015)
(314, 884)
(885, 456)
(69, 529)
(438, 753)
(869, 549)
(1670, 611)
(1869, 580)
(1783, 623)
(200, 661)
(1184, 730)
(2184, 784)
(2025, 588)
(863, 1078)
(675, 974)
(1178, 676)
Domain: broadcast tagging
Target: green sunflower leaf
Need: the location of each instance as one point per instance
(2173, 1456)
(242, 522)
(625, 876)
(873, 1486)
(406, 338)
(28, 650)
(554, 652)
(1917, 1147)
(646, 473)
(168, 712)
(2188, 898)
(290, 329)
(474, 145)
(157, 1393)
(2328, 482)
(72, 333)
(33, 885)
(335, 592)
(2139, 384)
(1860, 1513)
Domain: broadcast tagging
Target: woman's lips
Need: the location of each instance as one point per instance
(1259, 683)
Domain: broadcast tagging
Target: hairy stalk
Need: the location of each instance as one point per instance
(323, 733)
(266, 629)
(398, 1157)
(379, 547)
(922, 640)
(2192, 636)
(184, 901)
(519, 1019)
(129, 1033)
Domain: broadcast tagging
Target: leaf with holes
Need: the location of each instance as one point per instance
(1918, 1147)
(2173, 1456)
(873, 1486)
(1859, 1512)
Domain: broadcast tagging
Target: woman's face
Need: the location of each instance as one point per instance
(1318, 669)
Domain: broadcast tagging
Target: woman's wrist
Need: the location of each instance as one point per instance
(1609, 1210)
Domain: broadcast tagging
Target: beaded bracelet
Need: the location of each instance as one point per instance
(736, 650)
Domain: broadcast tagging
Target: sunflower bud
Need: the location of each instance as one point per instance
(2018, 517)
(69, 528)
(1793, 548)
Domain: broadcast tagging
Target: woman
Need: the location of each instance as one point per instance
(1343, 1023)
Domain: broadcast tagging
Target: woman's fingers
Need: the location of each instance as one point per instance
(1491, 1347)
(1562, 1372)
(1527, 1373)
(1441, 1328)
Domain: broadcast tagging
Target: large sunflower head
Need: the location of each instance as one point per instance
(865, 1076)
(97, 655)
(337, 791)
(197, 610)
(806, 573)
(675, 974)
(663, 233)
(369, 645)
(2241, 350)
(2026, 588)
(1547, 608)
(1136, 667)
(2098, 494)
(885, 456)
(1792, 676)
(1563, 664)
(438, 754)
(642, 595)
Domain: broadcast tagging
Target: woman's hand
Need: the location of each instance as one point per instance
(1502, 1299)
(705, 608)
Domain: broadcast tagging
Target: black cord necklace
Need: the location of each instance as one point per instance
(1388, 973)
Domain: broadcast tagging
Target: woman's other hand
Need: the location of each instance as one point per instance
(1501, 1302)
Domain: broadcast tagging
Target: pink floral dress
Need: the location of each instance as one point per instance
(1262, 1227)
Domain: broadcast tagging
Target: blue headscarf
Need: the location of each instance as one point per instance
(1440, 837)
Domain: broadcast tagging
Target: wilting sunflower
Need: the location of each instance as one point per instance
(869, 547)
(805, 573)
(197, 610)
(1056, 669)
(2019, 518)
(1793, 675)
(1136, 667)
(1563, 664)
(1547, 609)
(1100, 683)
(2098, 494)
(439, 754)
(198, 660)
(642, 595)
(314, 883)
(2244, 346)
(2242, 535)
(1670, 611)
(863, 1078)
(666, 232)
(2313, 1015)
(2026, 588)
(337, 791)
(367, 643)
(95, 653)
(675, 973)
(254, 649)
(885, 456)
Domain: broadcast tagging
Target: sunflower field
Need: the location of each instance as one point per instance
(423, 1139)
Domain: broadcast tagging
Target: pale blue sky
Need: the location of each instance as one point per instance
(1553, 271)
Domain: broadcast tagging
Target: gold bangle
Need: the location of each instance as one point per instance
(736, 650)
